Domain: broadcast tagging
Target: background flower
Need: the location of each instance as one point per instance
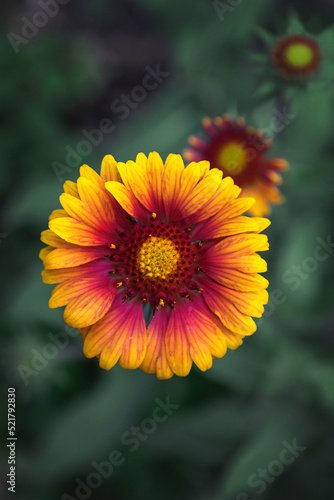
(297, 56)
(239, 151)
(294, 60)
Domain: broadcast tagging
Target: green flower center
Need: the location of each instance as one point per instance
(299, 55)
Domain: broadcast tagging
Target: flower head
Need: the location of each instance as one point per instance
(239, 152)
(294, 60)
(297, 56)
(156, 264)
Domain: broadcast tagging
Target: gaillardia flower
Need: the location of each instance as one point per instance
(238, 151)
(297, 56)
(156, 264)
(294, 60)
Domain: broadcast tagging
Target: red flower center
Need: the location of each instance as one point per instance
(157, 262)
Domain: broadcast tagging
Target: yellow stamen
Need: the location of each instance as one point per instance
(157, 258)
(233, 158)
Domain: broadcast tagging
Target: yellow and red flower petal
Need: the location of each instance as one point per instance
(134, 347)
(92, 270)
(109, 170)
(261, 206)
(262, 224)
(72, 257)
(99, 185)
(237, 280)
(135, 179)
(128, 201)
(92, 301)
(106, 338)
(248, 303)
(72, 288)
(200, 194)
(155, 360)
(250, 264)
(84, 332)
(78, 233)
(141, 159)
(234, 253)
(227, 311)
(177, 345)
(82, 212)
(90, 174)
(155, 173)
(231, 339)
(58, 213)
(45, 252)
(226, 191)
(99, 202)
(120, 334)
(192, 155)
(192, 336)
(171, 181)
(144, 179)
(71, 188)
(277, 164)
(212, 227)
(50, 238)
(190, 177)
(221, 227)
(236, 208)
(265, 194)
(245, 263)
(186, 190)
(273, 177)
(271, 192)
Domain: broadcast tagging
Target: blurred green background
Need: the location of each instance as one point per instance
(225, 434)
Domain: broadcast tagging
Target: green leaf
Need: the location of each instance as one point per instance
(91, 426)
(278, 425)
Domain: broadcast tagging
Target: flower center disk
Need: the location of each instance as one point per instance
(156, 263)
(233, 158)
(299, 55)
(157, 258)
